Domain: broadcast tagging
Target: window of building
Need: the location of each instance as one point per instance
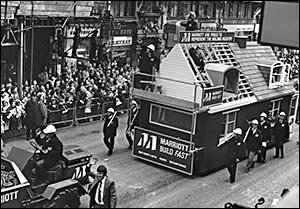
(123, 8)
(169, 117)
(231, 81)
(229, 121)
(278, 75)
(275, 107)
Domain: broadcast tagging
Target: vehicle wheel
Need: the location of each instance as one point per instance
(66, 199)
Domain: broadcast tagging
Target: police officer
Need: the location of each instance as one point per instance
(281, 133)
(130, 122)
(51, 152)
(252, 140)
(265, 128)
(110, 126)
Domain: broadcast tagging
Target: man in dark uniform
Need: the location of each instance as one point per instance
(233, 152)
(51, 152)
(265, 128)
(191, 24)
(130, 122)
(281, 131)
(252, 140)
(110, 126)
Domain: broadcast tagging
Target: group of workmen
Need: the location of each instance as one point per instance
(261, 135)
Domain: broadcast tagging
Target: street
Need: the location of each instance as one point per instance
(145, 185)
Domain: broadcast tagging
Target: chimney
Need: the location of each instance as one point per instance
(241, 41)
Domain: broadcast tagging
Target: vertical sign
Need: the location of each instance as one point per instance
(164, 150)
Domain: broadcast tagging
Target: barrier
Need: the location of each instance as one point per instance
(76, 114)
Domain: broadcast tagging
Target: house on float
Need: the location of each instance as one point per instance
(192, 110)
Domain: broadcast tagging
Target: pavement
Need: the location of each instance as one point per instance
(141, 184)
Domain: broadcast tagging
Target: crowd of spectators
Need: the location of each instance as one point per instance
(291, 58)
(76, 85)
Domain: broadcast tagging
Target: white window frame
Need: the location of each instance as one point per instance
(227, 122)
(274, 110)
(283, 75)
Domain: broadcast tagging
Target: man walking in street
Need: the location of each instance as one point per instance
(233, 152)
(102, 191)
(130, 122)
(31, 111)
(265, 129)
(281, 133)
(252, 140)
(110, 126)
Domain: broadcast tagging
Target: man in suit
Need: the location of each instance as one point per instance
(110, 126)
(265, 128)
(102, 191)
(31, 110)
(281, 132)
(252, 140)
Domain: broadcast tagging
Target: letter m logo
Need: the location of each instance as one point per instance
(185, 37)
(147, 142)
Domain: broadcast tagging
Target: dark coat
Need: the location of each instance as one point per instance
(133, 112)
(41, 115)
(55, 147)
(109, 194)
(234, 149)
(253, 140)
(110, 131)
(31, 110)
(265, 129)
(190, 25)
(281, 130)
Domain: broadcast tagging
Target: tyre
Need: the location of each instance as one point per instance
(68, 198)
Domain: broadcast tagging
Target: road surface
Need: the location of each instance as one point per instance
(141, 184)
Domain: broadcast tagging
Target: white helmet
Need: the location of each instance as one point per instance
(134, 102)
(282, 114)
(111, 110)
(255, 122)
(263, 115)
(151, 46)
(49, 129)
(238, 131)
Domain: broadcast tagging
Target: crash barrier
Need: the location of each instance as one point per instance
(84, 113)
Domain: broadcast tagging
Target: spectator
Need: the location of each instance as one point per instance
(191, 24)
(42, 113)
(31, 110)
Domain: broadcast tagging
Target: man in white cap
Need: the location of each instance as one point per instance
(52, 149)
(191, 24)
(265, 128)
(130, 122)
(281, 131)
(233, 152)
(110, 126)
(252, 140)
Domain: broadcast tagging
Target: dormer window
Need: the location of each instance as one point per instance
(278, 75)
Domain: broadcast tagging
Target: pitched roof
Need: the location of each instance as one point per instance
(247, 58)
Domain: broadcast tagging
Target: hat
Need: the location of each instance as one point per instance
(49, 129)
(263, 115)
(111, 110)
(134, 102)
(151, 46)
(193, 13)
(238, 131)
(255, 122)
(282, 114)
